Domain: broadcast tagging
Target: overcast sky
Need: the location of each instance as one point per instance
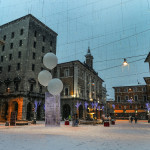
(114, 29)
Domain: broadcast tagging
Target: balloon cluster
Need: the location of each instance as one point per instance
(55, 85)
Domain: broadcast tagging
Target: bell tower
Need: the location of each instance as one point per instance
(89, 58)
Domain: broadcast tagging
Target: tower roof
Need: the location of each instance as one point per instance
(88, 52)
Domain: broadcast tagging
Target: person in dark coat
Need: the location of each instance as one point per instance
(135, 119)
(131, 119)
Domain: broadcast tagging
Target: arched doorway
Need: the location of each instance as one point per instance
(80, 112)
(5, 111)
(29, 111)
(66, 111)
(39, 112)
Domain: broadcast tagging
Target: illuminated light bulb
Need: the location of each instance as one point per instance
(125, 62)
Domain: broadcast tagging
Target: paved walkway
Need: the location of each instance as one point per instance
(121, 136)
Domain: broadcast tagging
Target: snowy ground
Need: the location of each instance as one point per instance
(121, 136)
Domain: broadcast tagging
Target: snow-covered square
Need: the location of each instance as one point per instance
(121, 136)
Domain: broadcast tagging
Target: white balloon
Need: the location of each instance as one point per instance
(55, 86)
(44, 77)
(50, 60)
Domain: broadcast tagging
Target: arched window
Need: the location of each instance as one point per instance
(31, 87)
(66, 91)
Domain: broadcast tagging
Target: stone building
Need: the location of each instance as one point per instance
(130, 101)
(26, 40)
(82, 88)
(147, 79)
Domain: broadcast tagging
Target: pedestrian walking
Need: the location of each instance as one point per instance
(135, 119)
(131, 119)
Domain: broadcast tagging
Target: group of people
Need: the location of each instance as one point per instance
(133, 118)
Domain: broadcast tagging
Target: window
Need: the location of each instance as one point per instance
(58, 72)
(118, 90)
(51, 43)
(11, 45)
(119, 106)
(142, 107)
(33, 67)
(2, 59)
(4, 37)
(19, 54)
(82, 93)
(16, 87)
(66, 91)
(3, 47)
(66, 72)
(10, 56)
(21, 32)
(87, 78)
(43, 38)
(9, 68)
(130, 106)
(43, 49)
(126, 90)
(145, 98)
(35, 33)
(126, 97)
(31, 87)
(40, 89)
(41, 59)
(1, 69)
(118, 98)
(135, 98)
(144, 89)
(82, 74)
(20, 43)
(135, 89)
(18, 66)
(33, 55)
(34, 44)
(12, 35)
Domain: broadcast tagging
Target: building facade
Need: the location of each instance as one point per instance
(26, 41)
(130, 101)
(82, 92)
(147, 79)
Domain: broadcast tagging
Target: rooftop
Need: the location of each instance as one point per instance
(30, 16)
(128, 86)
(83, 64)
(147, 58)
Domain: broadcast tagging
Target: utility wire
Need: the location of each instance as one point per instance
(126, 75)
(120, 65)
(81, 16)
(99, 46)
(120, 58)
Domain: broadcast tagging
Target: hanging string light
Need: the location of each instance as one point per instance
(125, 63)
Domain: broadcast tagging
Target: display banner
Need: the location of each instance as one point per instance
(52, 109)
